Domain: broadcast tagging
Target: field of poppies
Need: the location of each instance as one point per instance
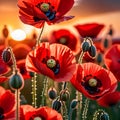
(62, 76)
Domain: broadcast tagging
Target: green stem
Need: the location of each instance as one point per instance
(80, 57)
(39, 37)
(34, 88)
(45, 86)
(79, 108)
(17, 104)
(64, 108)
(85, 110)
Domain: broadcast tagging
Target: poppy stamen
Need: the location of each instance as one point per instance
(45, 7)
(51, 63)
(92, 82)
(62, 40)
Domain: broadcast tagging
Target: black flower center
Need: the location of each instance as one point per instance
(1, 113)
(92, 84)
(47, 9)
(52, 64)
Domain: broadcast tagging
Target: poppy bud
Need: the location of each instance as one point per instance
(106, 43)
(6, 55)
(56, 105)
(73, 103)
(99, 58)
(16, 81)
(85, 46)
(5, 31)
(92, 51)
(64, 95)
(104, 116)
(52, 93)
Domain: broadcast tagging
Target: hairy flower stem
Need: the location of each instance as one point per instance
(17, 96)
(64, 108)
(34, 88)
(39, 37)
(85, 110)
(45, 87)
(13, 59)
(17, 104)
(80, 57)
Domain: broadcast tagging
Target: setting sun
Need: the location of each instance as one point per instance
(18, 35)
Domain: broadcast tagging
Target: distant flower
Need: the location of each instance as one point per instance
(3, 70)
(42, 113)
(110, 99)
(93, 80)
(65, 37)
(21, 50)
(89, 30)
(56, 61)
(112, 60)
(7, 103)
(38, 12)
(22, 69)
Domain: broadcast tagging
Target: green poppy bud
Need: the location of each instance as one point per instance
(16, 81)
(64, 95)
(6, 55)
(52, 93)
(85, 46)
(104, 116)
(92, 51)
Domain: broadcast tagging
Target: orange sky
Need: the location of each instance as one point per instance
(9, 16)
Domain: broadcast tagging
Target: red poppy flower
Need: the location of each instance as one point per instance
(56, 61)
(44, 113)
(36, 12)
(3, 70)
(21, 51)
(112, 60)
(22, 69)
(109, 99)
(6, 97)
(93, 80)
(89, 30)
(65, 37)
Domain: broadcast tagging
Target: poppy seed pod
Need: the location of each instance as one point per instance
(85, 46)
(56, 105)
(16, 81)
(6, 55)
(52, 93)
(92, 51)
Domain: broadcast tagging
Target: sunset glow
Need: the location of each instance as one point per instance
(18, 35)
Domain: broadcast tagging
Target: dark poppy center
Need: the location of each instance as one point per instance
(1, 113)
(52, 64)
(92, 84)
(62, 40)
(47, 9)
